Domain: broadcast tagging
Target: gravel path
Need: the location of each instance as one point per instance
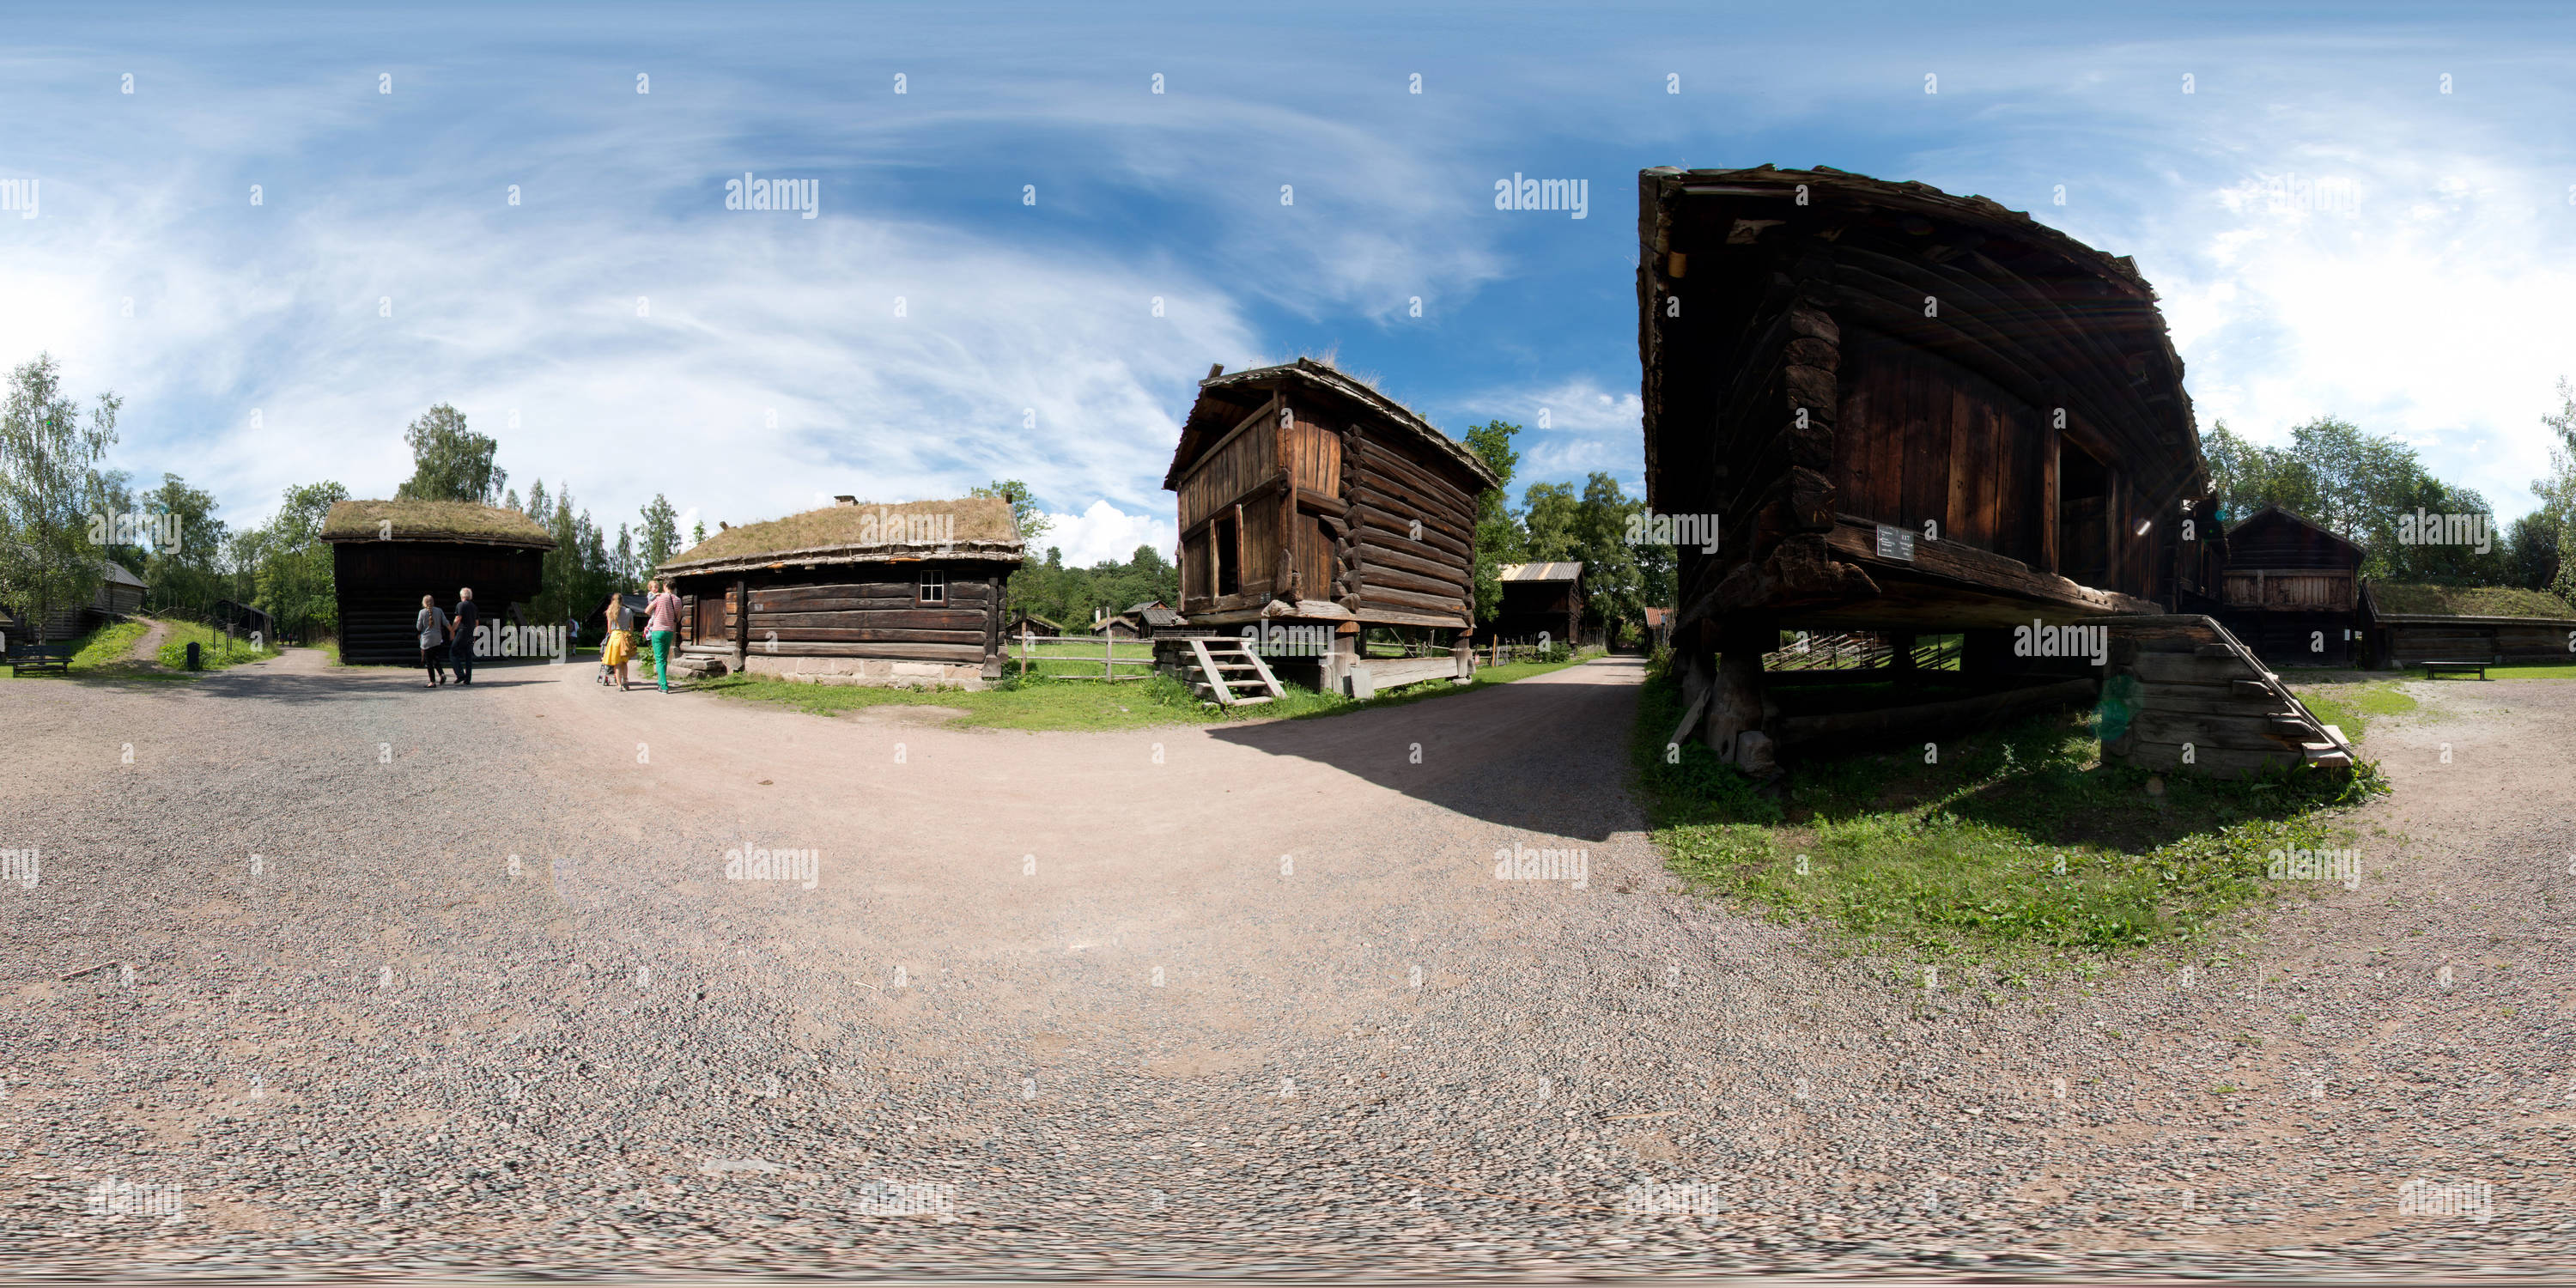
(1244, 999)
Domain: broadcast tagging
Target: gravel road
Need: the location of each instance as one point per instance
(453, 980)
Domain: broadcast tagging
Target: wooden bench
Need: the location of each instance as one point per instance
(2432, 669)
(40, 659)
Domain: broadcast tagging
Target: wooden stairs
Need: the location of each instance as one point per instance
(1230, 674)
(2182, 691)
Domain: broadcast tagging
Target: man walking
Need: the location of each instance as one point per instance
(662, 626)
(463, 622)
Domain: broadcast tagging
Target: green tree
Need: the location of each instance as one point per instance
(1498, 533)
(50, 488)
(1549, 512)
(2558, 491)
(451, 462)
(1032, 521)
(190, 575)
(293, 576)
(661, 533)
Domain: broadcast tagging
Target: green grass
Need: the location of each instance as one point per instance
(2019, 846)
(1051, 702)
(2351, 707)
(107, 646)
(2518, 671)
(214, 653)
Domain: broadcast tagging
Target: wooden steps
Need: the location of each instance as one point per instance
(2183, 692)
(1228, 673)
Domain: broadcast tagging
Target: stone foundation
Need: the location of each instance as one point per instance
(874, 671)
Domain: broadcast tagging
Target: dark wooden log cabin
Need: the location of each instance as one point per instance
(385, 555)
(852, 593)
(2291, 589)
(1907, 412)
(1540, 598)
(1309, 500)
(2405, 625)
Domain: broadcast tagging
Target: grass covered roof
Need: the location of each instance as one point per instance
(969, 527)
(468, 521)
(2468, 601)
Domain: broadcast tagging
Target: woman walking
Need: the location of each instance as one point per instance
(662, 626)
(618, 648)
(432, 624)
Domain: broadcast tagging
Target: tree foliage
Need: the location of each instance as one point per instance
(50, 486)
(2358, 485)
(451, 462)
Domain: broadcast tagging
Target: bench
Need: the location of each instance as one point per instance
(40, 659)
(2432, 669)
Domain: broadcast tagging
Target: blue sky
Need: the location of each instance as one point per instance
(648, 340)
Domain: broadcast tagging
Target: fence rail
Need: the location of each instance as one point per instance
(1106, 646)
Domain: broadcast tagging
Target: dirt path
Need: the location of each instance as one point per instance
(147, 650)
(1192, 997)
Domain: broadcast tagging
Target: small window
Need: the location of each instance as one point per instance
(934, 587)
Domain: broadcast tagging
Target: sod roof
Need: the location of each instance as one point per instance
(465, 521)
(2467, 601)
(966, 528)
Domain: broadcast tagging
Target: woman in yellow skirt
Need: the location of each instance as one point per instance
(619, 647)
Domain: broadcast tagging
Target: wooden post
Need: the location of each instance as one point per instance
(1024, 650)
(1108, 653)
(741, 624)
(1734, 727)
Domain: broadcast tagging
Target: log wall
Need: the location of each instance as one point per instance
(879, 617)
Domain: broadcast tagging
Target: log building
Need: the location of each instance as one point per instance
(1311, 503)
(385, 555)
(2405, 625)
(1903, 412)
(1540, 598)
(2291, 589)
(852, 593)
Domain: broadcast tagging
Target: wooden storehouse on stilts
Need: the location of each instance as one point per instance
(1313, 511)
(852, 593)
(385, 555)
(1908, 413)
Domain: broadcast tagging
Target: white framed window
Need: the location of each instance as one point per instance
(934, 586)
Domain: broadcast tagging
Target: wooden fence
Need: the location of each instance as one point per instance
(1071, 649)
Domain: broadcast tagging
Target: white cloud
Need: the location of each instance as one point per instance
(1106, 532)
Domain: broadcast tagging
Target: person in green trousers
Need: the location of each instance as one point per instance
(662, 626)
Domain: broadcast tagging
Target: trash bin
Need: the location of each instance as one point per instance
(194, 662)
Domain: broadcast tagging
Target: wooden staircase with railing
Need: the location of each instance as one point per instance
(1229, 673)
(2182, 690)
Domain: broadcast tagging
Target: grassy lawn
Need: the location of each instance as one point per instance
(2538, 671)
(214, 653)
(2351, 707)
(2018, 850)
(1052, 702)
